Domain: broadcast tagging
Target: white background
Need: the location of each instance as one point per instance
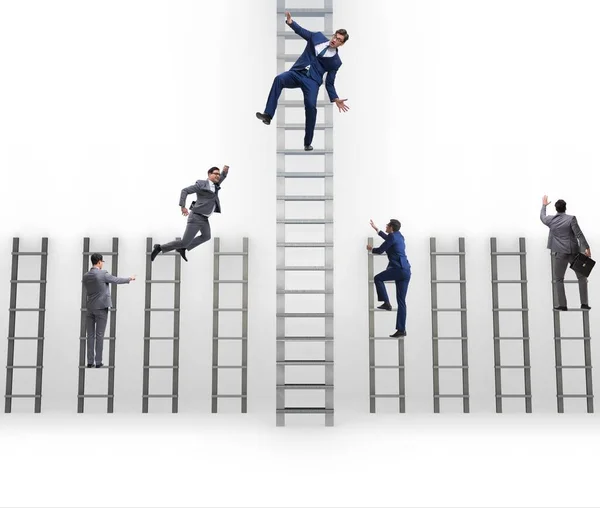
(463, 114)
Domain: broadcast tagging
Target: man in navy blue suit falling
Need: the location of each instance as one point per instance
(319, 57)
(398, 270)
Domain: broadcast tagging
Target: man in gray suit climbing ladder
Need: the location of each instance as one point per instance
(565, 240)
(207, 202)
(96, 283)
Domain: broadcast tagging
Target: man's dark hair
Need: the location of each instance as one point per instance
(561, 206)
(213, 169)
(394, 224)
(96, 258)
(343, 33)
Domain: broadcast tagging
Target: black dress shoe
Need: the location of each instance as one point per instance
(182, 253)
(308, 148)
(98, 365)
(560, 308)
(266, 119)
(385, 306)
(585, 306)
(398, 333)
(155, 252)
(90, 365)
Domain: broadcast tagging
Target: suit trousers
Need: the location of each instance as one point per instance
(561, 262)
(95, 321)
(401, 276)
(310, 89)
(196, 223)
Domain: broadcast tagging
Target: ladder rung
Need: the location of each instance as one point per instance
(510, 309)
(304, 292)
(306, 11)
(230, 338)
(447, 253)
(301, 126)
(304, 244)
(511, 338)
(161, 338)
(305, 339)
(24, 367)
(400, 367)
(231, 253)
(161, 367)
(230, 281)
(94, 367)
(289, 34)
(300, 104)
(450, 366)
(109, 310)
(160, 396)
(28, 281)
(387, 338)
(305, 198)
(305, 268)
(575, 396)
(305, 410)
(448, 281)
(229, 367)
(305, 386)
(22, 396)
(96, 396)
(388, 396)
(162, 281)
(304, 174)
(161, 309)
(104, 338)
(173, 253)
(575, 309)
(305, 314)
(103, 253)
(301, 151)
(25, 338)
(230, 309)
(305, 221)
(513, 396)
(509, 281)
(229, 396)
(508, 253)
(512, 367)
(451, 396)
(449, 338)
(449, 310)
(573, 366)
(27, 309)
(572, 338)
(29, 253)
(304, 362)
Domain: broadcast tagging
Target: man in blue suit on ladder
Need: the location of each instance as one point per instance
(398, 270)
(319, 57)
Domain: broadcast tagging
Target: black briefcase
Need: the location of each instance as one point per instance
(582, 264)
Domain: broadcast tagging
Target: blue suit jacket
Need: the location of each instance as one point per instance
(318, 66)
(394, 247)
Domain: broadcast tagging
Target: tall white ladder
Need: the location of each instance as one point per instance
(524, 364)
(316, 234)
(436, 338)
(586, 339)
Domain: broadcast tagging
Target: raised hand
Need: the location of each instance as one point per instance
(225, 168)
(288, 18)
(341, 106)
(545, 201)
(373, 225)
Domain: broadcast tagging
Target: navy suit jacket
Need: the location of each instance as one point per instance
(394, 247)
(318, 66)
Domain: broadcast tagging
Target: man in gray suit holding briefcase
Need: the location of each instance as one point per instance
(96, 283)
(565, 240)
(207, 202)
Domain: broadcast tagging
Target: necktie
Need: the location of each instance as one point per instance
(323, 51)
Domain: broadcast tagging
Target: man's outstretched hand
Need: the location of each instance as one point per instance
(341, 106)
(225, 168)
(545, 201)
(288, 18)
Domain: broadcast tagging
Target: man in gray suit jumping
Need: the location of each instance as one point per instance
(207, 202)
(96, 283)
(565, 240)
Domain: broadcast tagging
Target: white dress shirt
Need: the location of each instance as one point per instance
(320, 47)
(211, 186)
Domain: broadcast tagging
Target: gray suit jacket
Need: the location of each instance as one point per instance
(96, 283)
(565, 236)
(206, 199)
